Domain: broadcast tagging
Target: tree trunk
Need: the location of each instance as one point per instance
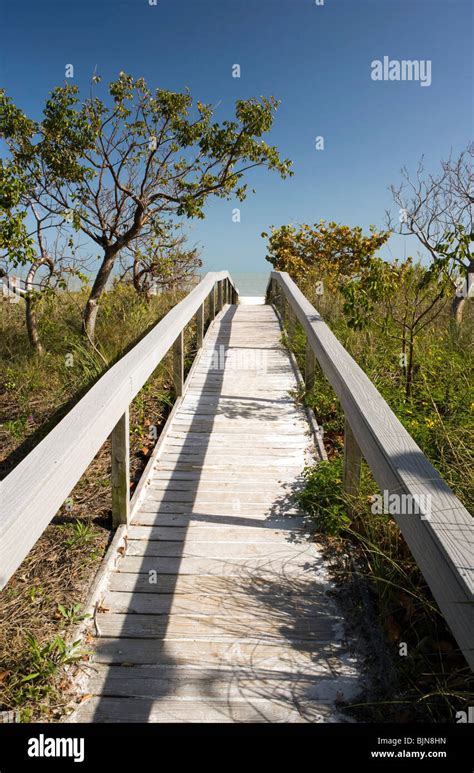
(32, 326)
(457, 308)
(137, 276)
(92, 305)
(459, 300)
(30, 312)
(409, 374)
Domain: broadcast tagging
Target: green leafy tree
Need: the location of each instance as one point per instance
(327, 252)
(400, 299)
(117, 167)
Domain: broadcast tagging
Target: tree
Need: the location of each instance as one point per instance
(165, 265)
(399, 298)
(438, 211)
(117, 168)
(326, 251)
(20, 246)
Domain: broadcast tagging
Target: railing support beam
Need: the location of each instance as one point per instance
(178, 364)
(352, 462)
(120, 477)
(291, 322)
(310, 368)
(212, 304)
(200, 326)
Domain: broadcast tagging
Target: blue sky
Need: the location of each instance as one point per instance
(315, 59)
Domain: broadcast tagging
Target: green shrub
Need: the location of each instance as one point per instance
(323, 498)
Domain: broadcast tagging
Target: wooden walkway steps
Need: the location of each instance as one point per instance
(218, 610)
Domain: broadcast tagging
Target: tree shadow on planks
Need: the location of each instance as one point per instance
(244, 637)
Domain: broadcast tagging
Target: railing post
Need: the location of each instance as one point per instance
(212, 304)
(284, 311)
(200, 326)
(275, 298)
(120, 477)
(281, 305)
(226, 292)
(270, 292)
(310, 367)
(352, 460)
(219, 295)
(291, 322)
(178, 364)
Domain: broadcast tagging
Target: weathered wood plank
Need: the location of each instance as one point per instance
(240, 551)
(169, 710)
(167, 515)
(278, 607)
(310, 657)
(278, 566)
(266, 584)
(215, 628)
(217, 684)
(232, 509)
(216, 533)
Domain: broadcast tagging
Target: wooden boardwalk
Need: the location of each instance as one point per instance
(218, 608)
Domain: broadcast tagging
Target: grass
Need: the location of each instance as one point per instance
(44, 598)
(429, 680)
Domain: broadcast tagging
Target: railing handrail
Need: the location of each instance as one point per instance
(441, 541)
(38, 486)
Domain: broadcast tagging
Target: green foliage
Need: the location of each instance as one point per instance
(14, 235)
(119, 169)
(80, 534)
(184, 154)
(72, 614)
(323, 498)
(379, 281)
(454, 252)
(323, 251)
(42, 663)
(439, 410)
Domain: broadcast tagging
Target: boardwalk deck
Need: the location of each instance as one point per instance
(218, 608)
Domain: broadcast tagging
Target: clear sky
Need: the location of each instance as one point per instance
(315, 58)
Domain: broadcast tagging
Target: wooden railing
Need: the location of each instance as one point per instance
(34, 491)
(440, 537)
